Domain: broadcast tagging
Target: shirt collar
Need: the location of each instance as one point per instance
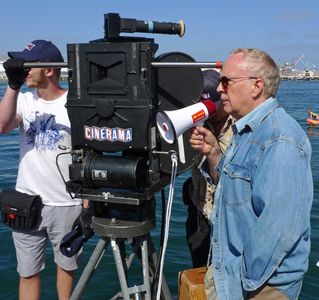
(229, 122)
(255, 117)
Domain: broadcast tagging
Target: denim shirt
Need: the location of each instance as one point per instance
(261, 218)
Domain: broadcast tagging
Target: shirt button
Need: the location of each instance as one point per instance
(215, 240)
(217, 267)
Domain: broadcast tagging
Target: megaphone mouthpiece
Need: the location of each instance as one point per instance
(210, 105)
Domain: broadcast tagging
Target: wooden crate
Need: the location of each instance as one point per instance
(191, 284)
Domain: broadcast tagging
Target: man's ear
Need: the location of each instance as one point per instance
(258, 87)
(49, 72)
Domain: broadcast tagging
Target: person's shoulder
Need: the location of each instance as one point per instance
(62, 95)
(286, 127)
(27, 96)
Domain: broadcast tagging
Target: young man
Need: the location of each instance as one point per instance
(44, 126)
(261, 218)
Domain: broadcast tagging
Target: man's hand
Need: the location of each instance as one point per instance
(83, 224)
(203, 140)
(15, 72)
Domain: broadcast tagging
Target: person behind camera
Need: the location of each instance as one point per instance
(198, 190)
(261, 216)
(44, 126)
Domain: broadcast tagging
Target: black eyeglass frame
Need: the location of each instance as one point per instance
(224, 80)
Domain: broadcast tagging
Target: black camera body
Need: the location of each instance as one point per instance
(112, 99)
(114, 94)
(111, 106)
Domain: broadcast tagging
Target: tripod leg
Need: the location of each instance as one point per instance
(89, 269)
(149, 265)
(120, 269)
(165, 293)
(141, 291)
(145, 267)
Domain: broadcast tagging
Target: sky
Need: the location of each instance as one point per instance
(285, 29)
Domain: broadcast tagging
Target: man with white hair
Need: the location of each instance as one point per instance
(260, 240)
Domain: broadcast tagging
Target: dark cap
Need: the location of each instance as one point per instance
(71, 243)
(39, 50)
(211, 82)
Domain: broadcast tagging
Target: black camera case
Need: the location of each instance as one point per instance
(20, 210)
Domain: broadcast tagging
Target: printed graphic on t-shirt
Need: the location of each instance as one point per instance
(43, 132)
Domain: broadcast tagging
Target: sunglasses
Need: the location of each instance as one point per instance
(224, 80)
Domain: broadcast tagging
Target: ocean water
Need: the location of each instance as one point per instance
(294, 96)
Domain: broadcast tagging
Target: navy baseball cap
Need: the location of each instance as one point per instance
(39, 50)
(71, 243)
(211, 82)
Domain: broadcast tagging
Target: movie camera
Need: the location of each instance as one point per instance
(114, 94)
(117, 86)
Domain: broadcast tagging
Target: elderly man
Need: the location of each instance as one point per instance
(261, 219)
(198, 190)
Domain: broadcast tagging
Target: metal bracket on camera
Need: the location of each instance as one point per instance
(165, 152)
(110, 198)
(173, 153)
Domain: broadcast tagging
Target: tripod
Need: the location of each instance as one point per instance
(117, 232)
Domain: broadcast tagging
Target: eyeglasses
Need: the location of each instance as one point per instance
(224, 80)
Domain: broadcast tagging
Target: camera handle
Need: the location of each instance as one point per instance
(58, 65)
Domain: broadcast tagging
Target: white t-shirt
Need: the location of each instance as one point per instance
(45, 126)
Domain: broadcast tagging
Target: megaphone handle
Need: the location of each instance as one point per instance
(181, 149)
(200, 124)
